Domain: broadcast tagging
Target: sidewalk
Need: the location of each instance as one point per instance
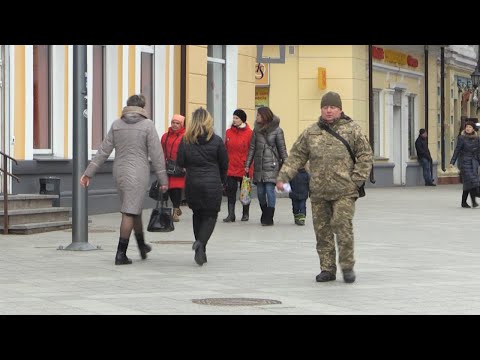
(417, 252)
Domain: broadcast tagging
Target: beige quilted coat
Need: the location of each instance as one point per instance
(134, 138)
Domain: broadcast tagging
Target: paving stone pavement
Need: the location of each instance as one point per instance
(417, 252)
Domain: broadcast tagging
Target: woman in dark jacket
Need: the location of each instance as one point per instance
(203, 155)
(467, 152)
(268, 151)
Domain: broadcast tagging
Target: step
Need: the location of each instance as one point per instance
(34, 228)
(26, 216)
(28, 201)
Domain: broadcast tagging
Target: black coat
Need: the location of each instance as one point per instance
(300, 185)
(467, 152)
(206, 165)
(421, 145)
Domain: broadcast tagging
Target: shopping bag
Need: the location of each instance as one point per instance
(245, 190)
(161, 219)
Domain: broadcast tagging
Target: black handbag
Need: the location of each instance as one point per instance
(155, 192)
(161, 219)
(173, 169)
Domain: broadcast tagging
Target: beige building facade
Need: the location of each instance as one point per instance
(36, 110)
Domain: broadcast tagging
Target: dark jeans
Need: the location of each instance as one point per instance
(266, 194)
(203, 224)
(427, 170)
(299, 206)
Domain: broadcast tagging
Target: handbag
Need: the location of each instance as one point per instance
(155, 192)
(161, 219)
(361, 189)
(173, 169)
(245, 190)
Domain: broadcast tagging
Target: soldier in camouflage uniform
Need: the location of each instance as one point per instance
(334, 183)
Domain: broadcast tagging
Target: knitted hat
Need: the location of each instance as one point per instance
(331, 99)
(180, 118)
(241, 114)
(471, 123)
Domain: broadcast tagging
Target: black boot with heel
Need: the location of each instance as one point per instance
(142, 247)
(121, 257)
(464, 200)
(246, 212)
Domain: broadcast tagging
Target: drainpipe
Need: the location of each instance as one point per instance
(426, 89)
(442, 105)
(371, 130)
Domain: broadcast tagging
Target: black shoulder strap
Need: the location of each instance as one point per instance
(333, 133)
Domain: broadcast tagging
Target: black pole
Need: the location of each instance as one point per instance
(80, 151)
(426, 89)
(371, 120)
(442, 105)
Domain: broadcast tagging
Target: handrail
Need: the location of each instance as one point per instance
(15, 177)
(8, 156)
(5, 190)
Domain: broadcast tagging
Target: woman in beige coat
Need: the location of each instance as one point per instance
(134, 138)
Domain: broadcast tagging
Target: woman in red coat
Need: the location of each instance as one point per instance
(170, 141)
(237, 142)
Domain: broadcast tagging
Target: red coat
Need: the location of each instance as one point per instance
(170, 148)
(237, 142)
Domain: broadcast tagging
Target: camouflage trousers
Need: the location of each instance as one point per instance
(329, 218)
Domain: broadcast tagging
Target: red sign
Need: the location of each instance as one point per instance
(411, 61)
(377, 53)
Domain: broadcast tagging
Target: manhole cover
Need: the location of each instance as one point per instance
(166, 242)
(96, 230)
(235, 302)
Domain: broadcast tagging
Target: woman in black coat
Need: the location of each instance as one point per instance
(203, 155)
(467, 152)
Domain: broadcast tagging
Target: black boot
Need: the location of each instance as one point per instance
(205, 232)
(121, 257)
(264, 210)
(231, 213)
(246, 211)
(200, 254)
(473, 193)
(144, 248)
(268, 220)
(464, 200)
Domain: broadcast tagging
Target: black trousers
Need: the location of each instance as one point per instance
(175, 197)
(233, 182)
(203, 224)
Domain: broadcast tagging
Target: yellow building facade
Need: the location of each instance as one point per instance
(404, 79)
(37, 98)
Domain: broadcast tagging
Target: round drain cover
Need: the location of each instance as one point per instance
(235, 301)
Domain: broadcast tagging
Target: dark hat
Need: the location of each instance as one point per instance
(241, 114)
(331, 99)
(471, 123)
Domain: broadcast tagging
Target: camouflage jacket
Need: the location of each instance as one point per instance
(333, 173)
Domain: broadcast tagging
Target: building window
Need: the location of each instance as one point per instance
(146, 79)
(411, 126)
(98, 96)
(376, 122)
(216, 86)
(42, 107)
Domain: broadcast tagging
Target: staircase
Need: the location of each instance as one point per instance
(32, 213)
